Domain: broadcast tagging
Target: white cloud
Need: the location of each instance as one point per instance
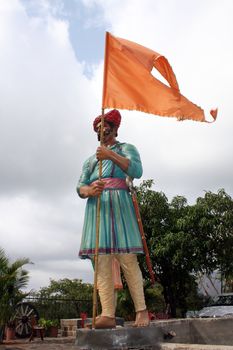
(44, 96)
(42, 273)
(45, 114)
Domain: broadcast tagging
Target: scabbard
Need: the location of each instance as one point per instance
(141, 230)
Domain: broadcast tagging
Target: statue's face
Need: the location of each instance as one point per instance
(108, 133)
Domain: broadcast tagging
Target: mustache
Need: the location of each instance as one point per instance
(106, 133)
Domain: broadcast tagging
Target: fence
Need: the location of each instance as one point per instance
(58, 308)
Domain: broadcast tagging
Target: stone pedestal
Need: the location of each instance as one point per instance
(208, 332)
(121, 338)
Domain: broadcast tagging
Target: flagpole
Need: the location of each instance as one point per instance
(97, 229)
(105, 69)
(98, 208)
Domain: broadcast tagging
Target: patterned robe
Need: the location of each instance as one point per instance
(118, 232)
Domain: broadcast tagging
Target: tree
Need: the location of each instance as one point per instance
(165, 242)
(212, 220)
(67, 289)
(185, 239)
(12, 279)
(64, 298)
(219, 220)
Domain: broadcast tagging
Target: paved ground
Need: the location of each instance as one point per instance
(68, 344)
(37, 344)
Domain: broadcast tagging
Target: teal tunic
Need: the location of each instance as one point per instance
(118, 230)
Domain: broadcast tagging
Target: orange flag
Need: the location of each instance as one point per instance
(129, 84)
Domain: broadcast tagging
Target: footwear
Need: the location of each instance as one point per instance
(89, 325)
(105, 322)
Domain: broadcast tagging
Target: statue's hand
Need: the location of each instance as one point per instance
(103, 152)
(96, 188)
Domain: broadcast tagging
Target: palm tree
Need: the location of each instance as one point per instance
(12, 279)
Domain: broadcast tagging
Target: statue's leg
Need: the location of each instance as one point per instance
(133, 276)
(106, 293)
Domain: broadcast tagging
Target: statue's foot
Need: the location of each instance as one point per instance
(105, 322)
(142, 319)
(89, 325)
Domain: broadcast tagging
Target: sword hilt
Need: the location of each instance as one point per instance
(129, 183)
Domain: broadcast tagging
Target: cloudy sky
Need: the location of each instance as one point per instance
(51, 69)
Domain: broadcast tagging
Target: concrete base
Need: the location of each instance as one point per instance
(120, 338)
(177, 346)
(186, 331)
(215, 331)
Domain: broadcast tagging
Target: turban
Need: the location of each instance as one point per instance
(112, 116)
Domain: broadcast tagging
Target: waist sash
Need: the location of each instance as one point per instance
(114, 183)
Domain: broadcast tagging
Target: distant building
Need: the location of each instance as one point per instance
(210, 285)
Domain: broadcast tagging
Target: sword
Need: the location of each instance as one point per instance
(132, 191)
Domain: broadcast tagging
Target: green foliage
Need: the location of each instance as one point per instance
(67, 289)
(184, 240)
(125, 307)
(154, 297)
(217, 225)
(12, 279)
(48, 323)
(64, 298)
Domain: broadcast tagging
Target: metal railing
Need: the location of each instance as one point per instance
(58, 308)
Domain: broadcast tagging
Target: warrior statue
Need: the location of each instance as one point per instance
(119, 236)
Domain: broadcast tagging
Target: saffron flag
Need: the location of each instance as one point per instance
(129, 84)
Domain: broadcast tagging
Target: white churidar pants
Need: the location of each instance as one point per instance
(133, 276)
